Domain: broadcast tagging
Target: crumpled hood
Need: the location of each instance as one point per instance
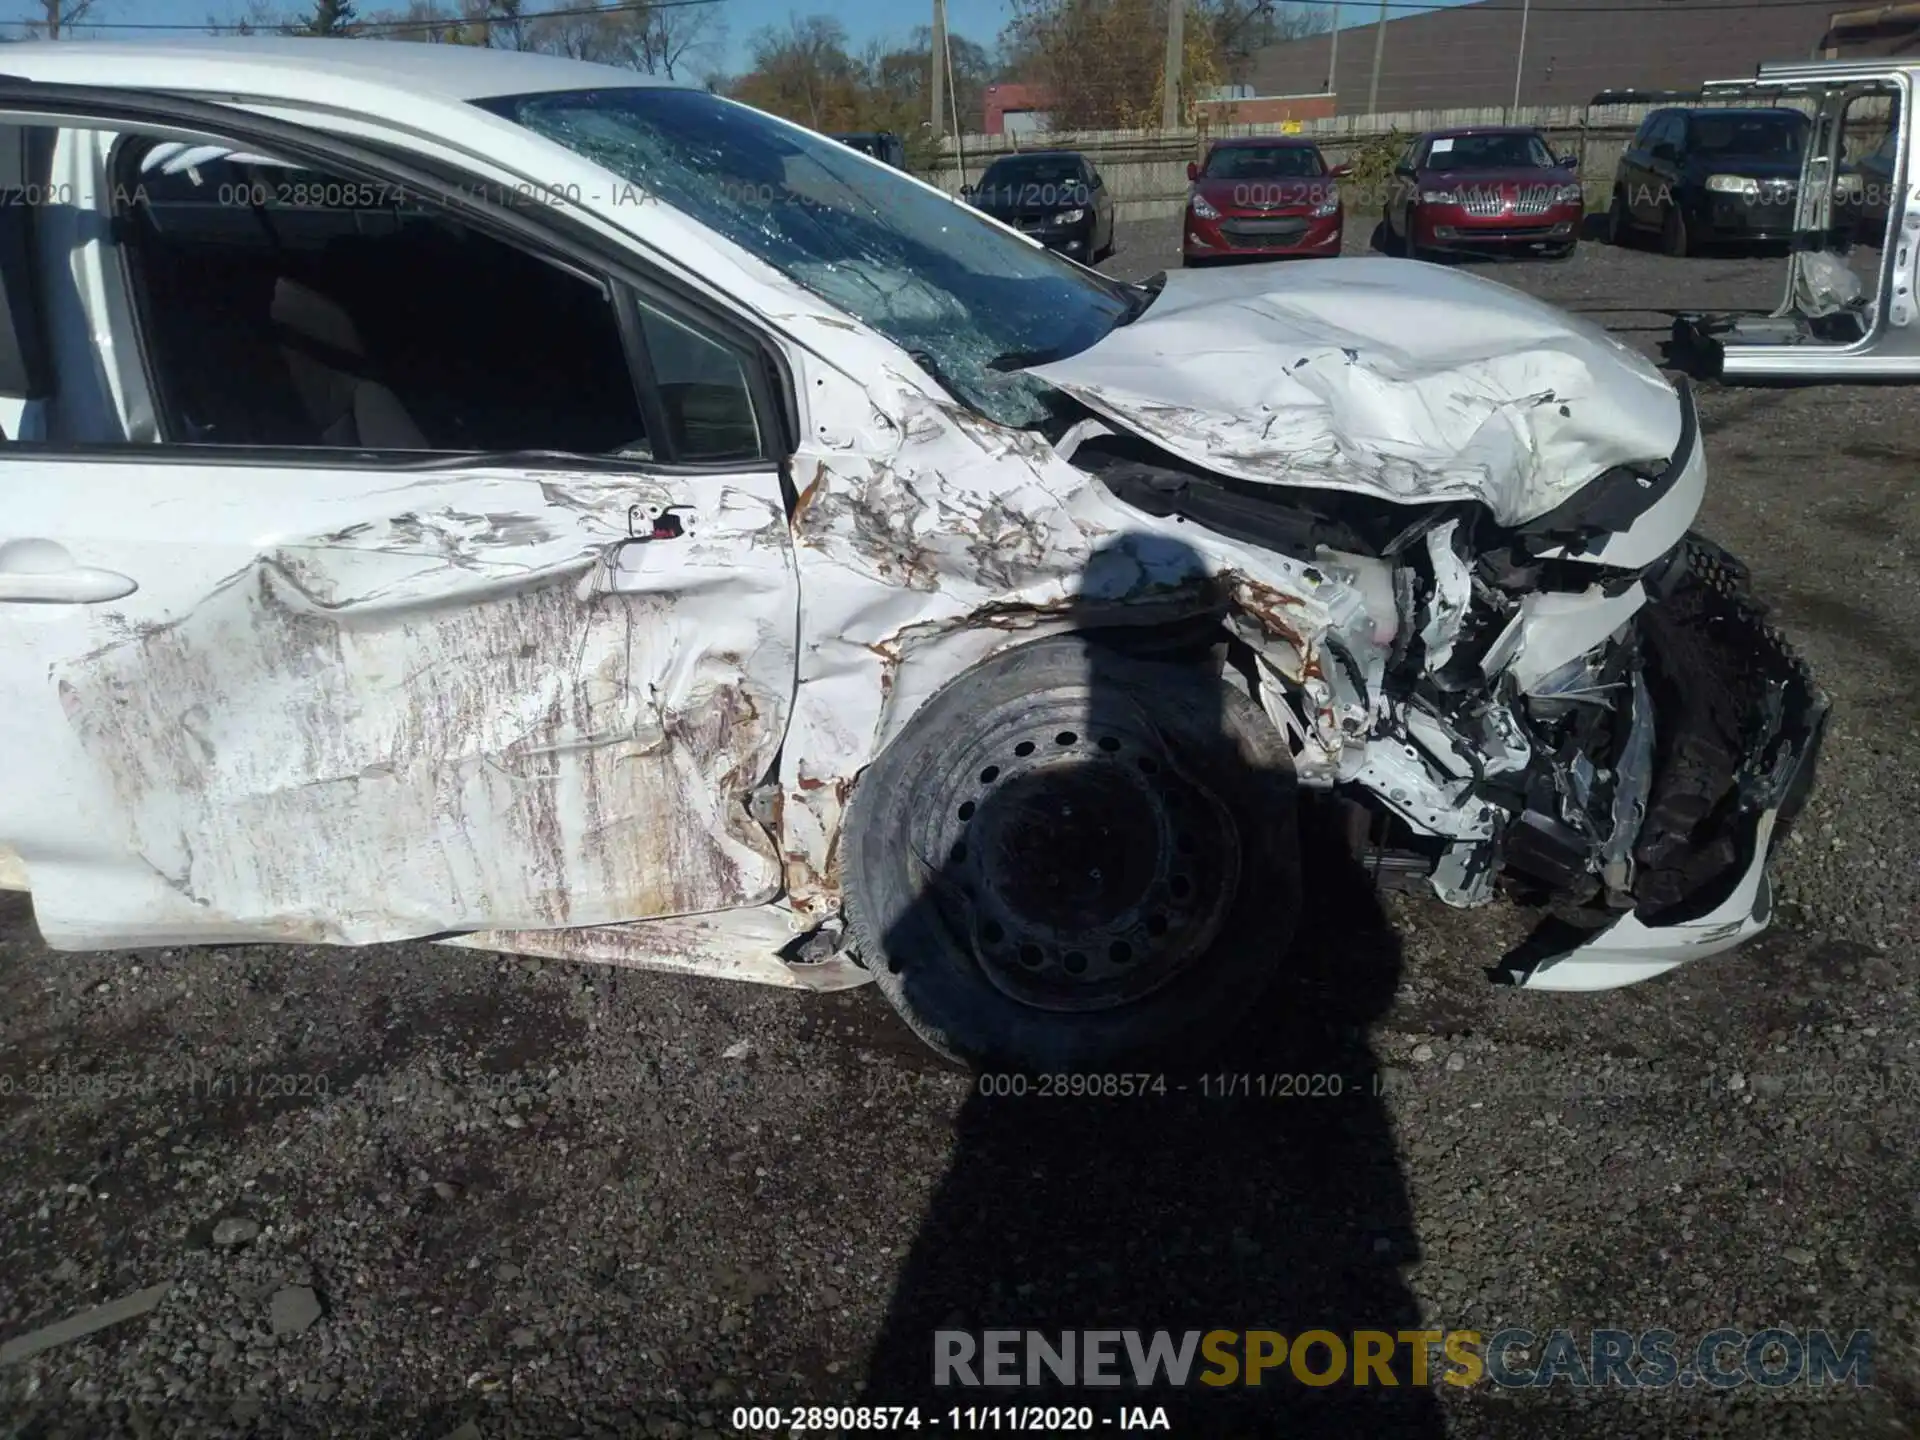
(1394, 378)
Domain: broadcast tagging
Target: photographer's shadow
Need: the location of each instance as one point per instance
(1260, 1193)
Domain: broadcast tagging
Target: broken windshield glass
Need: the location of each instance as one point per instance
(931, 275)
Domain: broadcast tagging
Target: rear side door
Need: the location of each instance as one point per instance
(1645, 197)
(1632, 175)
(354, 694)
(1668, 162)
(1102, 202)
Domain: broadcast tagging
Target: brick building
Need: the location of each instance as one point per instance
(1465, 56)
(1873, 33)
(1010, 108)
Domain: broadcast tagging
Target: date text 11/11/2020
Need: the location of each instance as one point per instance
(1303, 1085)
(1321, 1085)
(1045, 1419)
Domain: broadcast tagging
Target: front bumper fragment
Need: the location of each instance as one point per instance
(1782, 727)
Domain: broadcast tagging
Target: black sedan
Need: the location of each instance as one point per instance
(1696, 175)
(1056, 196)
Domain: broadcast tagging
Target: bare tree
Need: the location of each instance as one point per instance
(61, 16)
(668, 40)
(1099, 61)
(261, 19)
(1297, 22)
(1240, 27)
(1102, 62)
(580, 34)
(805, 73)
(506, 22)
(432, 22)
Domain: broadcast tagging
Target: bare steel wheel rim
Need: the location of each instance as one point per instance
(1083, 866)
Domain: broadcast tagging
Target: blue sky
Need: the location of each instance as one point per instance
(864, 20)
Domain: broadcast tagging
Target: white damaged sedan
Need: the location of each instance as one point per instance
(483, 497)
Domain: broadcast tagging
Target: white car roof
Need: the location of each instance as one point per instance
(296, 67)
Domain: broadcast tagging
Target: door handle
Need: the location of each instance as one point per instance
(42, 572)
(644, 522)
(82, 585)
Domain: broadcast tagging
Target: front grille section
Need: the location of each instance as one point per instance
(1264, 232)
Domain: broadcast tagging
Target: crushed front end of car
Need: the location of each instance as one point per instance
(1547, 684)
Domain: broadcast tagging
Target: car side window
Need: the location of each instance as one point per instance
(286, 308)
(703, 390)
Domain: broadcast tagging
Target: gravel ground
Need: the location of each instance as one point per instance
(408, 1190)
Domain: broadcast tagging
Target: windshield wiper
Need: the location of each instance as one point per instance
(1140, 296)
(1137, 296)
(933, 367)
(1021, 359)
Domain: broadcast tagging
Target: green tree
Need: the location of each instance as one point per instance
(1103, 62)
(804, 71)
(329, 18)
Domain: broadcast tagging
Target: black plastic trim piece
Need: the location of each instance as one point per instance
(1611, 503)
(26, 369)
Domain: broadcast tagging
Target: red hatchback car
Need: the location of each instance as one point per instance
(1495, 188)
(1262, 195)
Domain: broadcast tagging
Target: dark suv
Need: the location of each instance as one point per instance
(1707, 174)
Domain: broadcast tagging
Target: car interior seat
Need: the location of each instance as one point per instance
(332, 376)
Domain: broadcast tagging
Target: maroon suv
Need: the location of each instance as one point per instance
(1485, 189)
(1262, 195)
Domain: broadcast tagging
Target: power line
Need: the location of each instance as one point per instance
(1515, 6)
(361, 27)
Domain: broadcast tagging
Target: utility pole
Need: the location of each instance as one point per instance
(1520, 59)
(1176, 47)
(1333, 55)
(63, 15)
(1379, 50)
(940, 63)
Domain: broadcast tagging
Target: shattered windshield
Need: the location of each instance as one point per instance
(967, 299)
